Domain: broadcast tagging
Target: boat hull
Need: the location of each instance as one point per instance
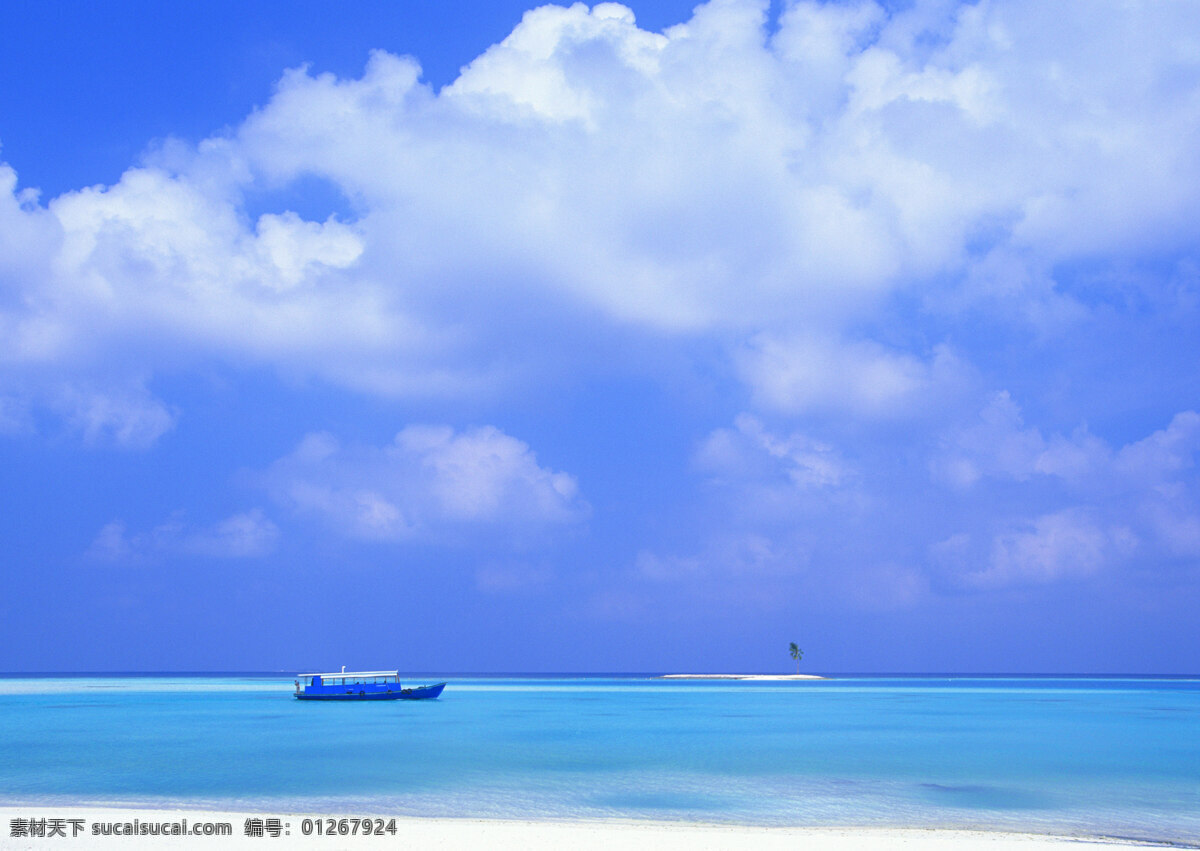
(416, 693)
(422, 692)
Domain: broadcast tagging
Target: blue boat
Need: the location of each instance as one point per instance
(361, 685)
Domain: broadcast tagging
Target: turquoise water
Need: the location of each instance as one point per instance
(1093, 756)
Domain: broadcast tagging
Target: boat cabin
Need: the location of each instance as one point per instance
(348, 685)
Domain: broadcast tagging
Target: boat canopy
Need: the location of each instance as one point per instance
(352, 674)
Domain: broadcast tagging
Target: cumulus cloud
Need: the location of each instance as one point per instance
(240, 536)
(1065, 545)
(428, 481)
(1165, 453)
(804, 375)
(1115, 504)
(166, 257)
(749, 451)
(128, 417)
(771, 491)
(246, 535)
(778, 505)
(997, 444)
(777, 191)
(1016, 508)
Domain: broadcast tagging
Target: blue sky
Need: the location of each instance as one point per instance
(472, 337)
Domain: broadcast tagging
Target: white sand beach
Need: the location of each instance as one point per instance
(503, 834)
(741, 677)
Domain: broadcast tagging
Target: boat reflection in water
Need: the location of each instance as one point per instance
(361, 685)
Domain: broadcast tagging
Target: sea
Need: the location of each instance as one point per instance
(1090, 756)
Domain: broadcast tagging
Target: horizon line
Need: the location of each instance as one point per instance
(618, 674)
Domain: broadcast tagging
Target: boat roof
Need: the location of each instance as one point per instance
(354, 674)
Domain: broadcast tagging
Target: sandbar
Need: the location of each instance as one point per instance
(741, 677)
(512, 834)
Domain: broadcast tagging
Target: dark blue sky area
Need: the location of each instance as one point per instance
(89, 86)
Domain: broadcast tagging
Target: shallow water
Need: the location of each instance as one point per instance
(1095, 756)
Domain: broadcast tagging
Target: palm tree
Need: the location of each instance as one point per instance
(797, 654)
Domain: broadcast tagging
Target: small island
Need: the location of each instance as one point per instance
(793, 649)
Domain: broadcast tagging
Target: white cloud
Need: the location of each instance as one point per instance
(1064, 545)
(749, 452)
(1135, 500)
(111, 543)
(129, 417)
(164, 255)
(534, 73)
(247, 535)
(1163, 454)
(812, 375)
(428, 481)
(998, 445)
(1080, 511)
(240, 536)
(778, 506)
(706, 179)
(995, 444)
